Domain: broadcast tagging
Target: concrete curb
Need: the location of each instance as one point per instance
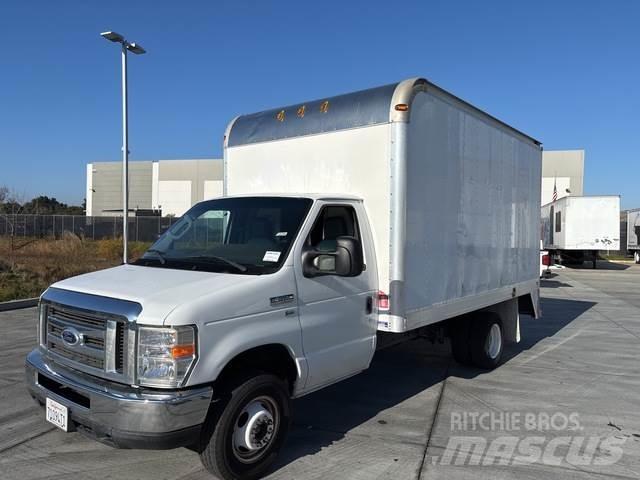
(17, 304)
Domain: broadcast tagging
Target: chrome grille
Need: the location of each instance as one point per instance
(121, 347)
(94, 331)
(77, 318)
(106, 328)
(60, 349)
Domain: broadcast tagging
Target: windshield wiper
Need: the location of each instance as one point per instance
(159, 254)
(214, 258)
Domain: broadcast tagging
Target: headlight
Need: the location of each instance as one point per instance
(165, 355)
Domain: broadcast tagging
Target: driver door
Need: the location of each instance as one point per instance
(336, 313)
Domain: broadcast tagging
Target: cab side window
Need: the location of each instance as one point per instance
(333, 222)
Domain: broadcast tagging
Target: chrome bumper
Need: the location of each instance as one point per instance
(117, 414)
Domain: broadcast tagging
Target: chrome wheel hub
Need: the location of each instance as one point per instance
(493, 343)
(254, 429)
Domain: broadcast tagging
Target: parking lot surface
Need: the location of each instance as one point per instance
(571, 389)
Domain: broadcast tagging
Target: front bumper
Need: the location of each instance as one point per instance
(116, 414)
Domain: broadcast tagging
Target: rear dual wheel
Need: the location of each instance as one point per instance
(477, 339)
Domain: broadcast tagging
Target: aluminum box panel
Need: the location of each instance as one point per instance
(473, 190)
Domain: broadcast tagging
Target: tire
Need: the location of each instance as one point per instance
(486, 341)
(227, 430)
(459, 336)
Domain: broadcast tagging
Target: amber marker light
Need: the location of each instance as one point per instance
(180, 351)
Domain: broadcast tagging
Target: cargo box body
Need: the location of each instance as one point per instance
(452, 194)
(585, 223)
(633, 229)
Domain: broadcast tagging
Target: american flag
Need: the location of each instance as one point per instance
(555, 191)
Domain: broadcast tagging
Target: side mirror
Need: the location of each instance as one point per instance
(342, 257)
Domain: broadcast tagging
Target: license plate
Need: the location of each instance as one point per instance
(57, 414)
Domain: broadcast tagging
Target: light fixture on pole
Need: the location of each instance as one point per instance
(137, 49)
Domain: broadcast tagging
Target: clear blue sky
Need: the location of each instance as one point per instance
(566, 72)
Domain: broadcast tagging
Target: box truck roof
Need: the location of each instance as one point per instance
(352, 110)
(578, 197)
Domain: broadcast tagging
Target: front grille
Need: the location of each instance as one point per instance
(94, 342)
(77, 317)
(120, 347)
(94, 332)
(63, 351)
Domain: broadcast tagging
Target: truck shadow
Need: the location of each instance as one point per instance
(601, 265)
(403, 378)
(557, 313)
(548, 283)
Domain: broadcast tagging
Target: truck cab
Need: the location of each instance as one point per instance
(141, 354)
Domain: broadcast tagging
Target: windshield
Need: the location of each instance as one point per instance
(250, 235)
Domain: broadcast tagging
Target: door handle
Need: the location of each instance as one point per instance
(369, 308)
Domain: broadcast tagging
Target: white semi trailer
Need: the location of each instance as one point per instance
(576, 228)
(396, 209)
(633, 233)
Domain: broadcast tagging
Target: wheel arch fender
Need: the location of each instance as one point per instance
(222, 343)
(275, 358)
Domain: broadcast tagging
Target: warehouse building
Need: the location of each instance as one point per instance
(165, 187)
(565, 170)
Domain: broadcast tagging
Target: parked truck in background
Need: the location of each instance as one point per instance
(576, 228)
(633, 233)
(545, 261)
(395, 210)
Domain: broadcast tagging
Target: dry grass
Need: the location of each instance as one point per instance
(29, 266)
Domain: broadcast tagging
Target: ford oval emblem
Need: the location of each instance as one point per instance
(71, 336)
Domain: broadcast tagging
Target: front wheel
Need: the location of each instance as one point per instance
(243, 435)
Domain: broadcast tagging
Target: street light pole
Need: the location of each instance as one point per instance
(125, 159)
(138, 50)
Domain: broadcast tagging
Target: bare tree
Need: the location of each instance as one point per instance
(11, 203)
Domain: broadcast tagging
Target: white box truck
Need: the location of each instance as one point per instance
(633, 233)
(576, 228)
(390, 210)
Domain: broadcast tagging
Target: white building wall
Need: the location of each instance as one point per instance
(89, 193)
(170, 185)
(174, 197)
(212, 189)
(155, 176)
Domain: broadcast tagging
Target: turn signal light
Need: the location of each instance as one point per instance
(402, 107)
(183, 351)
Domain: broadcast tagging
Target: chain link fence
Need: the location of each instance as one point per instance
(143, 229)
